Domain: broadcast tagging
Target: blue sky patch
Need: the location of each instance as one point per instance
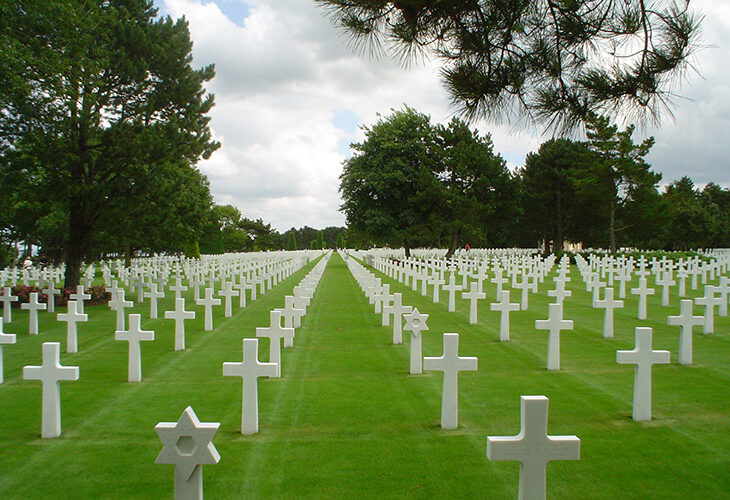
(235, 10)
(346, 120)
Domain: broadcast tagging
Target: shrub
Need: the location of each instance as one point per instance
(98, 293)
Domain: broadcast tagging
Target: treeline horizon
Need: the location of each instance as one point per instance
(412, 183)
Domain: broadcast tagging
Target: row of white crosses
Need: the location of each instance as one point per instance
(51, 372)
(187, 443)
(474, 292)
(34, 305)
(450, 363)
(643, 355)
(250, 369)
(714, 296)
(533, 448)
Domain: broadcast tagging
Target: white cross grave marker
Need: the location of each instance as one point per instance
(71, 317)
(5, 338)
(608, 304)
(665, 281)
(384, 312)
(643, 292)
(80, 296)
(134, 335)
(250, 369)
(524, 287)
(533, 448)
(622, 277)
(499, 281)
(685, 321)
(452, 288)
(473, 295)
(50, 373)
(227, 292)
(275, 332)
(416, 323)
(709, 301)
(51, 293)
(208, 302)
(450, 364)
(436, 281)
(187, 445)
(504, 306)
(292, 316)
(241, 286)
(554, 324)
(596, 286)
(118, 304)
(153, 294)
(178, 287)
(397, 309)
(643, 356)
(7, 298)
(33, 306)
(724, 291)
(179, 315)
(196, 282)
(560, 292)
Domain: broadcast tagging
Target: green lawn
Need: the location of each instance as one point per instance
(346, 420)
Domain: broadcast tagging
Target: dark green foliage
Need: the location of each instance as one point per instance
(545, 61)
(470, 178)
(227, 231)
(549, 194)
(387, 186)
(693, 218)
(616, 175)
(319, 242)
(292, 242)
(413, 183)
(102, 117)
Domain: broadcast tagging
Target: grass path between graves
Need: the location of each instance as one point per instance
(346, 420)
(684, 452)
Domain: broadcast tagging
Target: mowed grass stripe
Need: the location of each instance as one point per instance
(591, 396)
(347, 421)
(108, 423)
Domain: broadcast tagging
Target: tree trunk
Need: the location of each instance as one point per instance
(128, 254)
(559, 238)
(79, 235)
(452, 245)
(612, 228)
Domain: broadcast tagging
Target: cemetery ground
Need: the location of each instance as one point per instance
(346, 420)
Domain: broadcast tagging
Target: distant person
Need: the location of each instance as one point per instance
(27, 263)
(466, 247)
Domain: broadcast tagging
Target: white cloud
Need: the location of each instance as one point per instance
(284, 72)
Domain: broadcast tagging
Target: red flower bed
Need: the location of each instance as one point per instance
(99, 295)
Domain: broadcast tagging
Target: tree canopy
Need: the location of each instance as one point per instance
(102, 117)
(537, 61)
(387, 185)
(411, 182)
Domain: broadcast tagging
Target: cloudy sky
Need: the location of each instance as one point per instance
(290, 97)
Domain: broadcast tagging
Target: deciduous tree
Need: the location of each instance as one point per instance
(96, 95)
